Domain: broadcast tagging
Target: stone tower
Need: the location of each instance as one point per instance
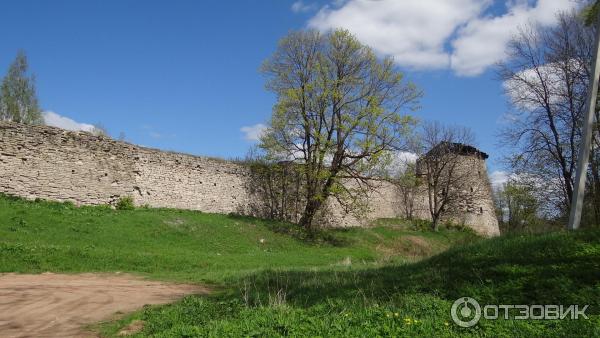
(465, 185)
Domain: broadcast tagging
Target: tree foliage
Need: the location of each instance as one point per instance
(338, 114)
(517, 207)
(590, 13)
(18, 100)
(276, 187)
(100, 130)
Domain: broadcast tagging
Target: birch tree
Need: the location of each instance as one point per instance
(18, 100)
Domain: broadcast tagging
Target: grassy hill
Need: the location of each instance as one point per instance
(273, 282)
(191, 246)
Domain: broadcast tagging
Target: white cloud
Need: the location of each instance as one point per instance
(253, 133)
(302, 7)
(434, 34)
(401, 161)
(551, 75)
(55, 120)
(152, 132)
(507, 118)
(405, 157)
(498, 178)
(413, 32)
(482, 41)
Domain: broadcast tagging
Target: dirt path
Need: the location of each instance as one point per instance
(55, 305)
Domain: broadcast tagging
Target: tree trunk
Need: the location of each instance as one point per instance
(284, 195)
(306, 221)
(435, 222)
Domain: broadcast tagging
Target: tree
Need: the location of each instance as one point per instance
(447, 172)
(519, 207)
(408, 186)
(338, 113)
(18, 100)
(590, 13)
(500, 207)
(546, 78)
(99, 130)
(402, 173)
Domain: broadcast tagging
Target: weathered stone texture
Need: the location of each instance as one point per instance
(476, 208)
(51, 163)
(173, 180)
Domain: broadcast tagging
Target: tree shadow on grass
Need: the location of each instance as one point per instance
(556, 268)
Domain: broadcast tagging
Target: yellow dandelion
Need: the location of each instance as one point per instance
(446, 323)
(396, 314)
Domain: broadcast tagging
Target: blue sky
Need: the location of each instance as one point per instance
(184, 75)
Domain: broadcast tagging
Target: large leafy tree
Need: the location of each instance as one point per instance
(338, 114)
(18, 100)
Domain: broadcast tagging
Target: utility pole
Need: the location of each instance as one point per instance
(586, 142)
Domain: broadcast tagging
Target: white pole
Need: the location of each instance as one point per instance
(586, 142)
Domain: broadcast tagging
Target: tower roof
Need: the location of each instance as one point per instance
(456, 148)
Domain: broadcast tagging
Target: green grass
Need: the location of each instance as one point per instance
(402, 299)
(357, 282)
(190, 246)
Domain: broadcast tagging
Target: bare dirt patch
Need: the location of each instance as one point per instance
(56, 305)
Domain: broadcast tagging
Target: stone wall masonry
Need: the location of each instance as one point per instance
(477, 208)
(51, 163)
(175, 180)
(383, 202)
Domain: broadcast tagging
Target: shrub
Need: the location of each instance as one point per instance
(67, 204)
(125, 203)
(421, 224)
(454, 226)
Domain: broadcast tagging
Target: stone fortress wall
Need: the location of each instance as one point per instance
(51, 163)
